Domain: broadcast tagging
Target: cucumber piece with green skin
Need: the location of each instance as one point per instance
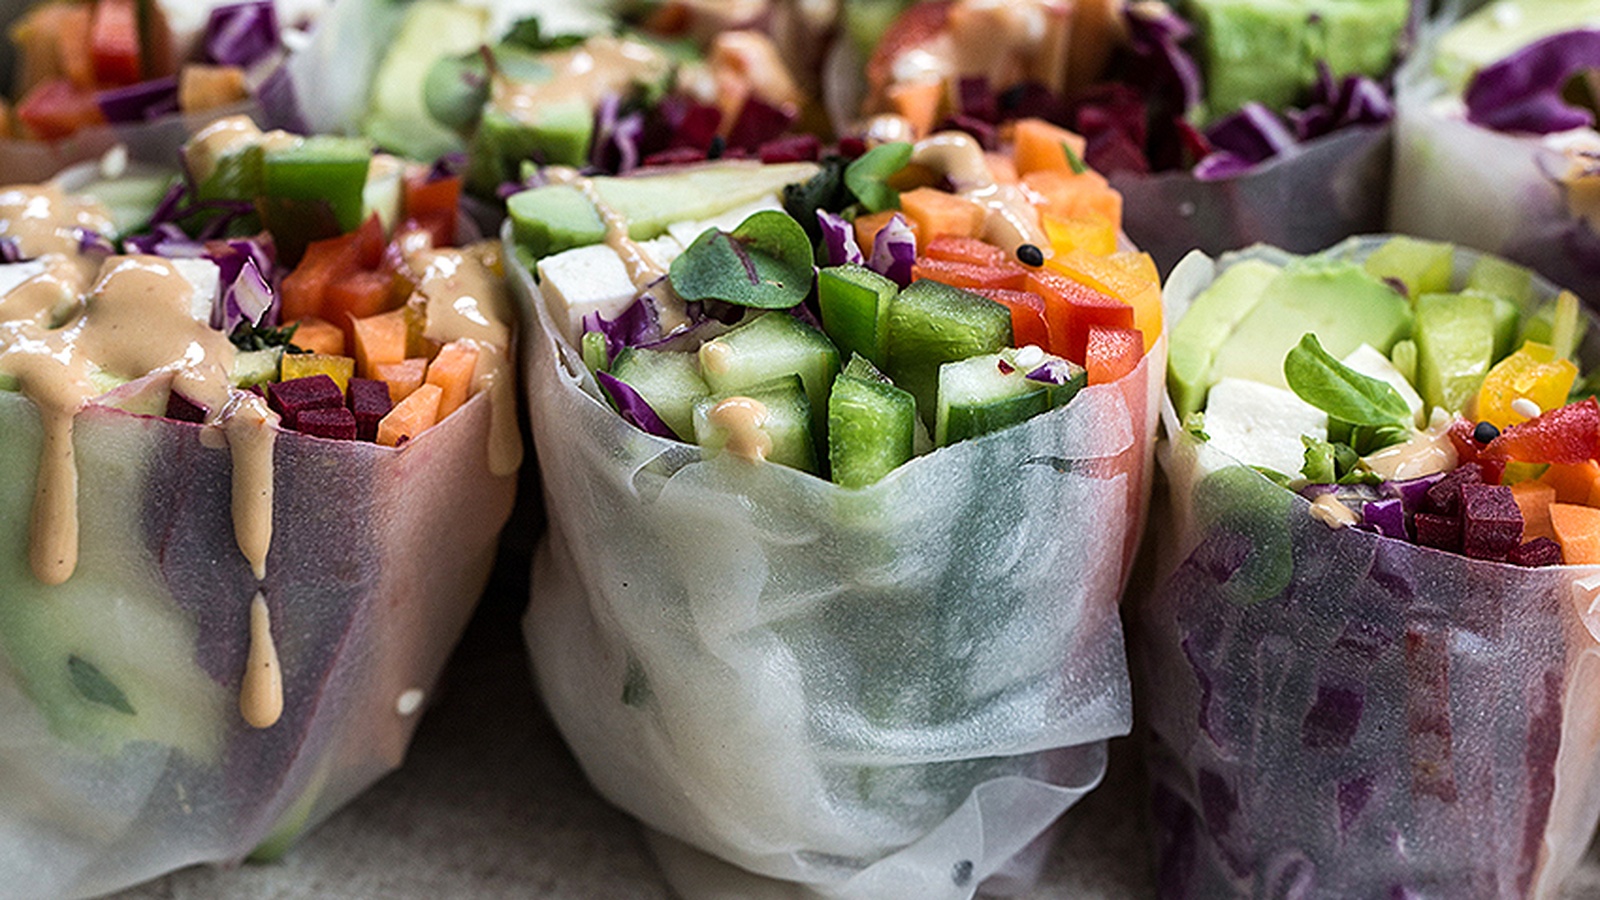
(931, 324)
(254, 367)
(855, 305)
(320, 170)
(553, 218)
(1424, 267)
(595, 351)
(770, 345)
(670, 382)
(1455, 335)
(984, 394)
(781, 425)
(871, 425)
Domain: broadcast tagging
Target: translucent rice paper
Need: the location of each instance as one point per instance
(378, 556)
(1336, 714)
(1455, 181)
(1324, 191)
(885, 693)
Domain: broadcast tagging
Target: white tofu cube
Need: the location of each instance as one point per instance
(1261, 425)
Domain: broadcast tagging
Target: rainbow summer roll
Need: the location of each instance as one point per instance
(236, 543)
(87, 75)
(1368, 659)
(1486, 103)
(1221, 122)
(829, 596)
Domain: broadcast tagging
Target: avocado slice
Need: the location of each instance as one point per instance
(547, 220)
(1455, 337)
(1206, 325)
(397, 117)
(1340, 302)
(1424, 267)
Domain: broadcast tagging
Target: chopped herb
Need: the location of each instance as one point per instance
(1194, 426)
(766, 263)
(247, 337)
(96, 687)
(824, 190)
(527, 33)
(1073, 159)
(868, 177)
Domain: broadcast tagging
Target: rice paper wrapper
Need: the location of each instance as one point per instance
(1501, 193)
(808, 691)
(1336, 714)
(123, 754)
(1317, 195)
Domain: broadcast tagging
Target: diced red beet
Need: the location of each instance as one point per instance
(1540, 551)
(758, 123)
(976, 98)
(369, 401)
(677, 156)
(182, 409)
(792, 148)
(1439, 532)
(1444, 498)
(693, 124)
(1388, 516)
(987, 135)
(851, 147)
(1491, 521)
(337, 423)
(289, 399)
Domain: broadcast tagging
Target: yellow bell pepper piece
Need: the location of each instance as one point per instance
(1091, 232)
(1533, 373)
(1123, 276)
(305, 365)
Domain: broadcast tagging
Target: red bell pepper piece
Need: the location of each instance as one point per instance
(1072, 308)
(56, 109)
(1568, 434)
(1027, 315)
(434, 205)
(305, 290)
(114, 42)
(973, 252)
(965, 275)
(1112, 353)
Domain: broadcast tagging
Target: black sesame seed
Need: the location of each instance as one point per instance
(718, 145)
(1030, 255)
(1485, 432)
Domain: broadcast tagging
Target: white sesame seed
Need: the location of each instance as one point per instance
(409, 702)
(114, 162)
(1525, 408)
(1029, 356)
(1507, 15)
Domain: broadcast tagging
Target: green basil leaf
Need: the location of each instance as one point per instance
(96, 687)
(1340, 391)
(765, 263)
(868, 176)
(1320, 466)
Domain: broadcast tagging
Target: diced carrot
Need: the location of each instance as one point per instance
(356, 295)
(1577, 530)
(918, 102)
(1070, 194)
(203, 87)
(1091, 233)
(319, 336)
(1534, 499)
(966, 250)
(433, 205)
(55, 109)
(1041, 147)
(936, 213)
(74, 52)
(1112, 353)
(452, 372)
(114, 42)
(965, 275)
(410, 417)
(1002, 168)
(867, 228)
(305, 365)
(379, 339)
(403, 377)
(1027, 316)
(1573, 483)
(1071, 308)
(1112, 276)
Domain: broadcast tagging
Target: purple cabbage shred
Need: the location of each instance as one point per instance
(1523, 92)
(633, 407)
(241, 34)
(894, 250)
(839, 238)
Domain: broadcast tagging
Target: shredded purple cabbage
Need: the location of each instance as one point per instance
(1155, 33)
(139, 102)
(91, 241)
(248, 299)
(633, 407)
(1523, 91)
(1053, 371)
(166, 240)
(280, 106)
(616, 137)
(894, 251)
(241, 34)
(1387, 516)
(10, 250)
(839, 237)
(636, 326)
(1243, 141)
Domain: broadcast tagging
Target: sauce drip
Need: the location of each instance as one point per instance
(744, 419)
(261, 689)
(1011, 219)
(584, 74)
(1330, 511)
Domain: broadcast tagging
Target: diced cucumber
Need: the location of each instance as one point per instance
(595, 351)
(669, 382)
(1424, 267)
(1455, 346)
(771, 420)
(322, 168)
(855, 305)
(931, 324)
(871, 425)
(983, 394)
(254, 367)
(553, 218)
(1507, 321)
(770, 345)
(1404, 357)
